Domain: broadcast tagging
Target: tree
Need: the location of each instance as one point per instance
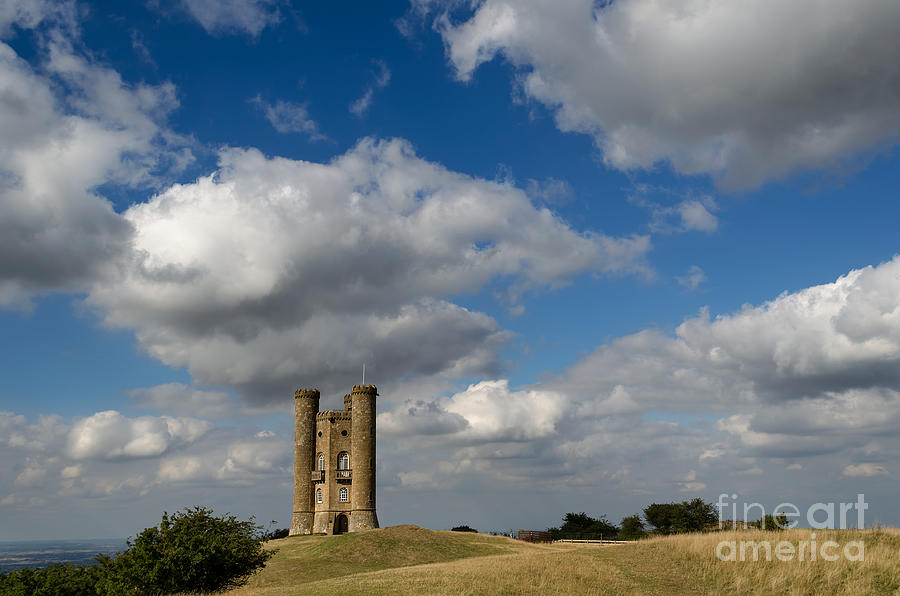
(632, 528)
(661, 516)
(581, 525)
(771, 522)
(463, 529)
(190, 551)
(695, 515)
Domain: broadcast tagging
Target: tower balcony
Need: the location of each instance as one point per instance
(343, 474)
(318, 476)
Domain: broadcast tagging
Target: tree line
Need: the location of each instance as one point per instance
(695, 515)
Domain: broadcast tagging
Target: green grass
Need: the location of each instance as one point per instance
(301, 560)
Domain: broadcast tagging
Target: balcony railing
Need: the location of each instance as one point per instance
(318, 476)
(343, 474)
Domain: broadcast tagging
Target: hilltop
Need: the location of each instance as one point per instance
(413, 560)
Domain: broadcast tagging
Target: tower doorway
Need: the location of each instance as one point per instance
(340, 524)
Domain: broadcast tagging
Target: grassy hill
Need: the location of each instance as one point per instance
(304, 560)
(412, 560)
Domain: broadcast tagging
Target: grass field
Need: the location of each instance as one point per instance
(412, 560)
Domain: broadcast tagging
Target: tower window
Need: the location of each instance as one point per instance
(343, 461)
(318, 495)
(344, 495)
(321, 461)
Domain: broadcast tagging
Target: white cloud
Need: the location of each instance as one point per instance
(864, 470)
(689, 483)
(551, 191)
(57, 233)
(28, 14)
(693, 278)
(495, 412)
(818, 343)
(793, 85)
(695, 216)
(273, 270)
(33, 474)
(808, 377)
(690, 214)
(287, 117)
(234, 16)
(382, 78)
(70, 472)
(109, 435)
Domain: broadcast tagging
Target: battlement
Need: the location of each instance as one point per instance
(336, 414)
(307, 393)
(364, 389)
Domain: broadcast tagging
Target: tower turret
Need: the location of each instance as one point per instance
(306, 406)
(362, 458)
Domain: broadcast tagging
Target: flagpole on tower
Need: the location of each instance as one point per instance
(364, 373)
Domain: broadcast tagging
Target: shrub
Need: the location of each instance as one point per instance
(463, 529)
(632, 528)
(191, 551)
(59, 579)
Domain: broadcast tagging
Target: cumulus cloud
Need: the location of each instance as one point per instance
(248, 17)
(110, 435)
(793, 85)
(820, 341)
(111, 455)
(495, 412)
(273, 270)
(57, 233)
(808, 376)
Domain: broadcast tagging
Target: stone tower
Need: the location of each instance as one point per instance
(334, 463)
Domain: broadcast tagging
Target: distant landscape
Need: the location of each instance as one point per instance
(41, 553)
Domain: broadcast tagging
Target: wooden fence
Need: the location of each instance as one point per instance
(535, 536)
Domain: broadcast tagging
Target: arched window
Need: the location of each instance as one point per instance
(321, 461)
(345, 494)
(318, 495)
(343, 461)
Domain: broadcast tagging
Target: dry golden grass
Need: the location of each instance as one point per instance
(409, 560)
(878, 573)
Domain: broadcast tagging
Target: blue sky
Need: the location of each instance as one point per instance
(613, 254)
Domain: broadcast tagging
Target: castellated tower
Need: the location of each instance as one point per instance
(334, 463)
(306, 406)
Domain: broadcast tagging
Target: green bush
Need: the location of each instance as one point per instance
(58, 579)
(463, 529)
(191, 551)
